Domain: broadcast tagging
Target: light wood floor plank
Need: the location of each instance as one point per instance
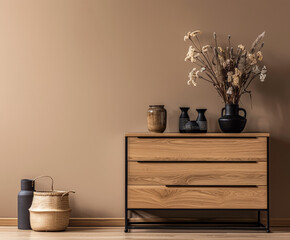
(12, 233)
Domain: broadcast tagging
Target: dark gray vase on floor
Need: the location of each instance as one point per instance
(25, 197)
(230, 120)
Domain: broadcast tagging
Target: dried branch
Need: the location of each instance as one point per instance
(258, 42)
(231, 73)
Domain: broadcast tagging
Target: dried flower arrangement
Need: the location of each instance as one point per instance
(230, 72)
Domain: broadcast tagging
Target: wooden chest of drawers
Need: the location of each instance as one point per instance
(197, 171)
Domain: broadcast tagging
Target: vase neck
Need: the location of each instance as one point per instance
(156, 106)
(184, 111)
(201, 116)
(232, 109)
(27, 184)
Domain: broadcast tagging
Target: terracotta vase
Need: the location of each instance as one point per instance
(156, 118)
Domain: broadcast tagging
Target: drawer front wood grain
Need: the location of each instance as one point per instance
(197, 149)
(192, 173)
(197, 197)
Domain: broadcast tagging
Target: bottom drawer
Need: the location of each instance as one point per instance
(197, 197)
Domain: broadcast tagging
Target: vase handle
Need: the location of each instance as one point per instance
(243, 110)
(222, 113)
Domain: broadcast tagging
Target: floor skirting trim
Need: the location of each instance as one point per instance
(119, 222)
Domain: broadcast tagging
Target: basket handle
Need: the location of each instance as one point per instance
(66, 193)
(33, 181)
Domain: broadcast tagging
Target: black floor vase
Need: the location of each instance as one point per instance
(25, 197)
(230, 120)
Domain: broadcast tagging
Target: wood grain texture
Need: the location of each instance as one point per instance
(169, 173)
(149, 134)
(12, 233)
(197, 149)
(197, 197)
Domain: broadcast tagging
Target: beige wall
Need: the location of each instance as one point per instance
(76, 75)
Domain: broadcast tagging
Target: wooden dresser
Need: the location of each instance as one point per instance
(210, 171)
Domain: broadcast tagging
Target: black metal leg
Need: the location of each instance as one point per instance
(126, 220)
(268, 221)
(268, 185)
(126, 185)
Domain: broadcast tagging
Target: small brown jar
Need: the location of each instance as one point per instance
(156, 118)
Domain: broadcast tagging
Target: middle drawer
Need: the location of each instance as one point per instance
(196, 173)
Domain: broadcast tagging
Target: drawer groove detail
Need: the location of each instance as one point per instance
(210, 186)
(168, 162)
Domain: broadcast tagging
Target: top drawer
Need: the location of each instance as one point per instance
(197, 149)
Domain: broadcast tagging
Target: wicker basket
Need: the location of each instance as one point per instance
(50, 210)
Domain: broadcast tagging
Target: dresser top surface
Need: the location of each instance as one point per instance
(148, 134)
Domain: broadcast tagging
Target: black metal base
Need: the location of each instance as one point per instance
(203, 225)
(257, 228)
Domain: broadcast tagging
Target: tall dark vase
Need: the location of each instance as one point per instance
(230, 120)
(183, 119)
(25, 197)
(201, 120)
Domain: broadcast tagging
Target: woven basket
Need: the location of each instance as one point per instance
(50, 210)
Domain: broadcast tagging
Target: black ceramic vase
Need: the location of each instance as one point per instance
(201, 120)
(230, 120)
(25, 197)
(192, 127)
(183, 119)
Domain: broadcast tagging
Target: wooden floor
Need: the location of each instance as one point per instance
(12, 233)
